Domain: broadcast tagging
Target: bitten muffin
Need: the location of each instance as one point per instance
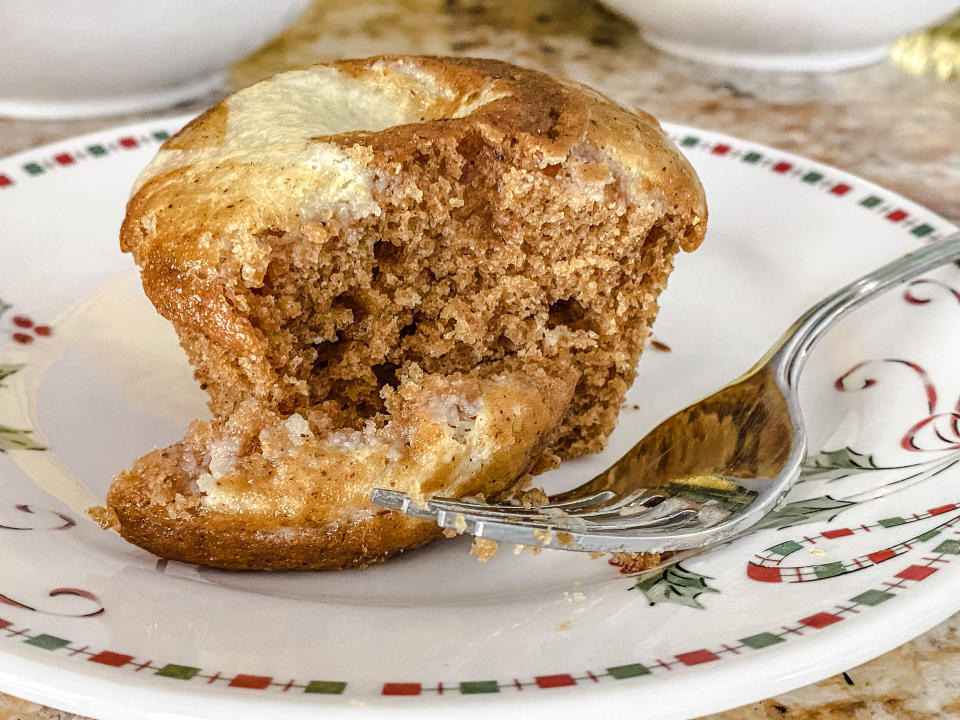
(433, 274)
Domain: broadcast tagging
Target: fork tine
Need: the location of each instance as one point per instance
(489, 513)
(678, 517)
(394, 500)
(454, 514)
(480, 508)
(662, 515)
(553, 515)
(581, 503)
(445, 513)
(487, 526)
(640, 499)
(607, 536)
(629, 510)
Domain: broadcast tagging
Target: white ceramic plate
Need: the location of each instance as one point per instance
(865, 558)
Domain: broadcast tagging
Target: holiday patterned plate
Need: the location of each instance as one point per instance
(865, 556)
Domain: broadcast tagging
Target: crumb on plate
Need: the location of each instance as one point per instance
(484, 549)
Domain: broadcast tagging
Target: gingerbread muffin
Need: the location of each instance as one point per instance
(432, 274)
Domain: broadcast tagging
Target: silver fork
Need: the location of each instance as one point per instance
(705, 474)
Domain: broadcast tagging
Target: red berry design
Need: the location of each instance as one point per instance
(30, 330)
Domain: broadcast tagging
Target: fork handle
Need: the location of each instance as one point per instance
(793, 348)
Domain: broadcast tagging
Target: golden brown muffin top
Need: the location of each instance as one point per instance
(312, 144)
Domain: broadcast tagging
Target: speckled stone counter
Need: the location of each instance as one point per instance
(879, 122)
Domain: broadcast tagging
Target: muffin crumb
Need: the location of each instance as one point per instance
(534, 497)
(484, 549)
(636, 562)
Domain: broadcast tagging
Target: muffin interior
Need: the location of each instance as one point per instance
(455, 273)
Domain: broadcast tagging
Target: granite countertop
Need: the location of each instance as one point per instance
(879, 122)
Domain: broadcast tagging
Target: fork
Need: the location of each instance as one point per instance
(703, 475)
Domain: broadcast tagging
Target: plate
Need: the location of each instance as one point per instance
(865, 556)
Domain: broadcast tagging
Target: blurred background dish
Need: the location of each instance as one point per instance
(812, 35)
(60, 58)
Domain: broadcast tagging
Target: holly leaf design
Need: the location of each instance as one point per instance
(674, 584)
(816, 509)
(836, 464)
(13, 439)
(7, 370)
(4, 306)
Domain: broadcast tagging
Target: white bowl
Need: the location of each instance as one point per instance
(799, 35)
(71, 58)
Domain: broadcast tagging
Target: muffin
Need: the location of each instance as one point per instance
(431, 274)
